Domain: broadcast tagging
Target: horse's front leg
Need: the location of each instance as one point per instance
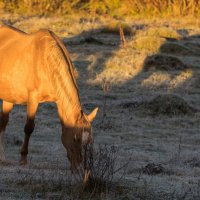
(29, 127)
(6, 108)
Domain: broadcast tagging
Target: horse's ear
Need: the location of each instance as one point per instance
(92, 115)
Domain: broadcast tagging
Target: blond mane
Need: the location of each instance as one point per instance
(62, 76)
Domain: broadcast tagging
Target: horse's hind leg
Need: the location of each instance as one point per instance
(6, 108)
(28, 129)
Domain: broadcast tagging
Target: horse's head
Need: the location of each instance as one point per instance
(74, 138)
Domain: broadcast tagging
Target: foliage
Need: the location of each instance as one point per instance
(114, 8)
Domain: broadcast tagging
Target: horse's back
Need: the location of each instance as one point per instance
(12, 36)
(21, 65)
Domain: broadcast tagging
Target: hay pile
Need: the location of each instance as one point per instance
(167, 104)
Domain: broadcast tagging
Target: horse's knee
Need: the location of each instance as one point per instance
(6, 108)
(3, 121)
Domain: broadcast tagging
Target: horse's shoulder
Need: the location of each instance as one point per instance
(42, 37)
(42, 33)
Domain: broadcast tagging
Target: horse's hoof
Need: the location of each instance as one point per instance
(2, 158)
(23, 161)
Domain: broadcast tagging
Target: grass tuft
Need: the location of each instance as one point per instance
(164, 32)
(168, 105)
(148, 43)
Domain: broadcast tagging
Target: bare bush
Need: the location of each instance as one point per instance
(100, 169)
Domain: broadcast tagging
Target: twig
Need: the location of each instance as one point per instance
(122, 37)
(179, 148)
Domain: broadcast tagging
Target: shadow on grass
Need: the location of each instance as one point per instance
(167, 70)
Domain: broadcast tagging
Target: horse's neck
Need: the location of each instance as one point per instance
(64, 83)
(69, 114)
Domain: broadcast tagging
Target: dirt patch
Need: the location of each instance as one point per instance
(164, 62)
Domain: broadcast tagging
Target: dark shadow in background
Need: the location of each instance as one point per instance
(102, 45)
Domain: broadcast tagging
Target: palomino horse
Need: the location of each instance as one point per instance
(36, 68)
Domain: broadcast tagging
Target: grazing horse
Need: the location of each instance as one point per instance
(36, 68)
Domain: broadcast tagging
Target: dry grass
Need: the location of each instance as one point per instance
(117, 8)
(148, 43)
(163, 32)
(151, 39)
(164, 80)
(114, 28)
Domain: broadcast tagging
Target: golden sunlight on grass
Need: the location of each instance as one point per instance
(143, 53)
(160, 32)
(151, 39)
(124, 65)
(114, 26)
(157, 79)
(114, 8)
(163, 79)
(149, 43)
(180, 79)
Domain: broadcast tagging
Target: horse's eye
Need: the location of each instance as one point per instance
(75, 138)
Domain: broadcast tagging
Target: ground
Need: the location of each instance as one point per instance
(148, 94)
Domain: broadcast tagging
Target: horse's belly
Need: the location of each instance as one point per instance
(13, 94)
